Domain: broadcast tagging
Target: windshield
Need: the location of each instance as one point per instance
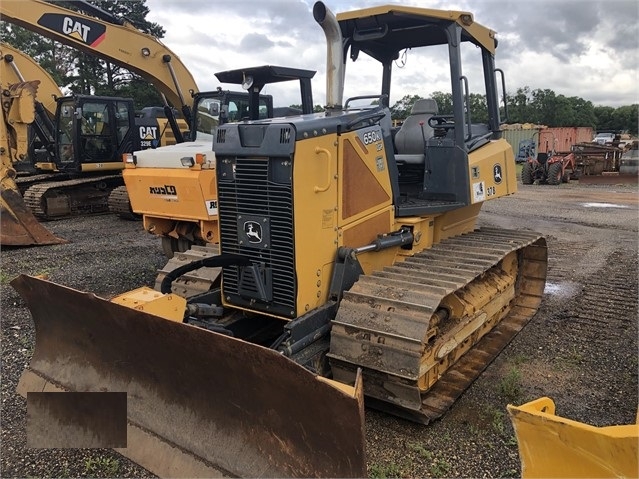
(65, 132)
(207, 118)
(210, 112)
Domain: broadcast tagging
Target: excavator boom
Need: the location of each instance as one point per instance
(121, 44)
(21, 67)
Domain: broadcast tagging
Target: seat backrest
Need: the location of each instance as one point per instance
(410, 137)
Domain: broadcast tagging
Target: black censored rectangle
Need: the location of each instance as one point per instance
(76, 419)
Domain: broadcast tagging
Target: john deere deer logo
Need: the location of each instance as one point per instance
(497, 173)
(253, 231)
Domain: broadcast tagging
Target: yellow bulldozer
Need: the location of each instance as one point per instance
(350, 264)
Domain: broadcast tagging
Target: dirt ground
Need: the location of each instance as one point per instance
(580, 349)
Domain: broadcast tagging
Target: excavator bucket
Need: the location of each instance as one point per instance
(552, 446)
(18, 226)
(199, 403)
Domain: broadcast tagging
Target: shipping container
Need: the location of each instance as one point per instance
(514, 135)
(562, 138)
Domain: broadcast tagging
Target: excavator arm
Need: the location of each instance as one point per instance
(16, 67)
(112, 40)
(18, 225)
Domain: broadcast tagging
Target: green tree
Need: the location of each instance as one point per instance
(478, 108)
(625, 118)
(543, 107)
(519, 110)
(316, 109)
(603, 117)
(563, 112)
(444, 102)
(583, 111)
(401, 109)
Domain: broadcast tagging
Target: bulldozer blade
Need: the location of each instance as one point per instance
(76, 420)
(199, 403)
(18, 226)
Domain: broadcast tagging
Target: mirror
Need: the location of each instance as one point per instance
(214, 108)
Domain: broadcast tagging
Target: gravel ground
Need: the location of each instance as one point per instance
(580, 349)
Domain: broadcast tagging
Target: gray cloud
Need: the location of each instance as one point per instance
(255, 42)
(543, 43)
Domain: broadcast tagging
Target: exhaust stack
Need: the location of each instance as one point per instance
(335, 67)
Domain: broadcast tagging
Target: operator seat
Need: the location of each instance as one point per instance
(410, 139)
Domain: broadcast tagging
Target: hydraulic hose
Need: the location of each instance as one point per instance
(218, 261)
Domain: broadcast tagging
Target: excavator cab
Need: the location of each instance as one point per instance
(93, 132)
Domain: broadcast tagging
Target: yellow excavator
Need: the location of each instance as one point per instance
(90, 134)
(18, 226)
(99, 33)
(350, 264)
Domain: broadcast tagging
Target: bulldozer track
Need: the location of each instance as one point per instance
(120, 205)
(197, 281)
(382, 324)
(70, 197)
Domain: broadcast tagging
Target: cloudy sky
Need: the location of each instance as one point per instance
(583, 48)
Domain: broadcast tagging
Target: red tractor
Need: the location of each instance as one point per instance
(552, 168)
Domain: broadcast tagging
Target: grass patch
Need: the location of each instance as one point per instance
(420, 450)
(440, 468)
(510, 384)
(498, 423)
(383, 471)
(520, 359)
(5, 278)
(573, 357)
(101, 467)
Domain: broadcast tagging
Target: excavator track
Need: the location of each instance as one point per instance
(59, 199)
(25, 182)
(120, 205)
(399, 324)
(195, 282)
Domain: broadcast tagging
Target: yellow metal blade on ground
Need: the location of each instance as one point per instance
(18, 226)
(198, 402)
(552, 446)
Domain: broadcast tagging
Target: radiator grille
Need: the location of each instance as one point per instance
(253, 194)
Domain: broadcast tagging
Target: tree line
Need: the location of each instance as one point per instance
(542, 107)
(82, 73)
